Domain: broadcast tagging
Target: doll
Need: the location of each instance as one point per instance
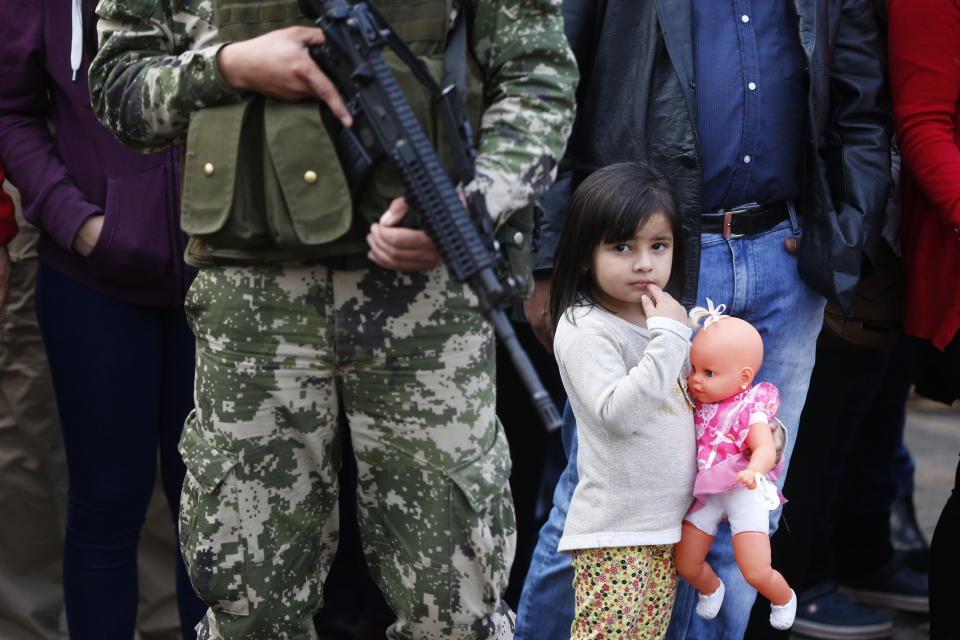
(732, 416)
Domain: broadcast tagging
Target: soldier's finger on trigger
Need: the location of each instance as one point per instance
(324, 89)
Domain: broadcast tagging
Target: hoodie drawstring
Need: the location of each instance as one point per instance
(76, 37)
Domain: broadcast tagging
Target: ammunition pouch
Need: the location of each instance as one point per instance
(248, 183)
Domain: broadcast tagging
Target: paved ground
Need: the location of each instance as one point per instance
(933, 437)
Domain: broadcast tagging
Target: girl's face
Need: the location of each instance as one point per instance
(623, 271)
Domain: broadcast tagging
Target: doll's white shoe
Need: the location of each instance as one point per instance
(709, 606)
(781, 617)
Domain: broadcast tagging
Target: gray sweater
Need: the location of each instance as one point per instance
(637, 452)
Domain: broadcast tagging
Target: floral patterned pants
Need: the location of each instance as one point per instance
(623, 592)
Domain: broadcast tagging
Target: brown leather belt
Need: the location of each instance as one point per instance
(745, 220)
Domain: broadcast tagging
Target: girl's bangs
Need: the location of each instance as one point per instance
(628, 217)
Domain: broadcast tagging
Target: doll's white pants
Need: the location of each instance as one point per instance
(740, 506)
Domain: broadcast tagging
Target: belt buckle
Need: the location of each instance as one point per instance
(728, 218)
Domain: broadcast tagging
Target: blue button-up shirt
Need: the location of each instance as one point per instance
(751, 90)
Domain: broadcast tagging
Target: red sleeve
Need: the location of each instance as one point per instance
(8, 224)
(924, 47)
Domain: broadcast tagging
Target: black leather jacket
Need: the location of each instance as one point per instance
(636, 101)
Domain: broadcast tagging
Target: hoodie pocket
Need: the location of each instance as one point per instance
(134, 246)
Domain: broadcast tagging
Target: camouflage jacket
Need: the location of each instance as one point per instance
(157, 64)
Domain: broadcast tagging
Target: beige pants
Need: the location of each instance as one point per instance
(32, 473)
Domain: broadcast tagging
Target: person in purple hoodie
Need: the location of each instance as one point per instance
(109, 298)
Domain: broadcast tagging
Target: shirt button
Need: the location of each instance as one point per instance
(746, 159)
(310, 177)
(208, 169)
(745, 18)
(752, 86)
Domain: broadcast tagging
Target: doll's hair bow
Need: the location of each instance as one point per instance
(709, 315)
(713, 313)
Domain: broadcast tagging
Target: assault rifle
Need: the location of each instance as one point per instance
(386, 127)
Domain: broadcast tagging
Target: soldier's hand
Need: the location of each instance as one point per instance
(399, 248)
(537, 310)
(278, 65)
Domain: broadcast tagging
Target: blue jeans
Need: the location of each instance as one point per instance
(757, 279)
(123, 379)
(546, 602)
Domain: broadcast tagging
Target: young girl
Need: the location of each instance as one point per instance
(622, 344)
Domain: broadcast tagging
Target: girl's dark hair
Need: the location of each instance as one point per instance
(609, 206)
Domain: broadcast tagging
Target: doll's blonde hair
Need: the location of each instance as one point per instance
(701, 318)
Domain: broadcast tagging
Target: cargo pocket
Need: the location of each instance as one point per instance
(483, 531)
(210, 529)
(440, 542)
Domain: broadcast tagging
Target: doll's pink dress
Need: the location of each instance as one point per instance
(722, 429)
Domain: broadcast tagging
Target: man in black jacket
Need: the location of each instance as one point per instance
(767, 118)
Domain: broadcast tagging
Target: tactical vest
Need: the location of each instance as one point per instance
(262, 181)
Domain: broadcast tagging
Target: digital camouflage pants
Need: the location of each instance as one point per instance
(282, 352)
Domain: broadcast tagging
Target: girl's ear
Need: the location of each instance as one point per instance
(745, 377)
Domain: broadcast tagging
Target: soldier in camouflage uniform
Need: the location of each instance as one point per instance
(293, 335)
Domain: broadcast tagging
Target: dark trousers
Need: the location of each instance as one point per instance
(945, 569)
(842, 480)
(944, 552)
(123, 379)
